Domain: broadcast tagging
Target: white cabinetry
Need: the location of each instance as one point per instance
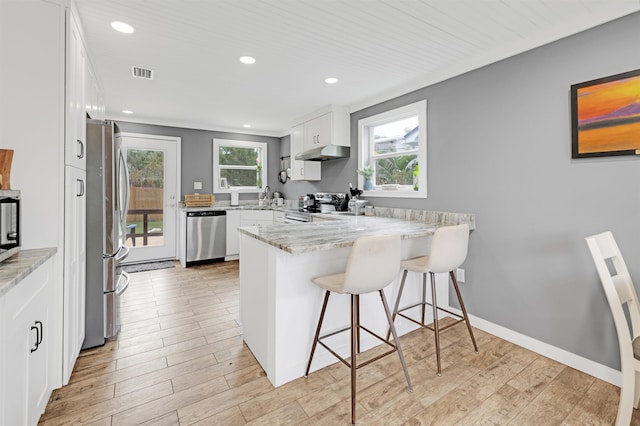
(75, 267)
(329, 126)
(82, 97)
(256, 217)
(75, 131)
(317, 132)
(238, 218)
(302, 170)
(27, 332)
(233, 243)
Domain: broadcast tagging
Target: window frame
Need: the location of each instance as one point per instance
(364, 144)
(238, 144)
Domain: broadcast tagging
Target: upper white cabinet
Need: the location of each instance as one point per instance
(317, 132)
(328, 126)
(76, 60)
(302, 170)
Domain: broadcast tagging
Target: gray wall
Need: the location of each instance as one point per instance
(499, 146)
(197, 155)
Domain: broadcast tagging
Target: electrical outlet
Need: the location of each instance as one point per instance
(460, 275)
(197, 185)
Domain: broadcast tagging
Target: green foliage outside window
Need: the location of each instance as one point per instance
(239, 165)
(146, 168)
(396, 170)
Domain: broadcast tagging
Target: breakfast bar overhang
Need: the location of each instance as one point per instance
(279, 305)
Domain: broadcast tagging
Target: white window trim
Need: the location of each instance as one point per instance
(239, 144)
(417, 108)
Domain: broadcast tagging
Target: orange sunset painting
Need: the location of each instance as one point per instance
(607, 115)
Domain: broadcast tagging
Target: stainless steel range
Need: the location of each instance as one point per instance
(320, 202)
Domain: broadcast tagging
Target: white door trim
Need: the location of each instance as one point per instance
(178, 142)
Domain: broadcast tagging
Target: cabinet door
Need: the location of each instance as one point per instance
(74, 288)
(26, 349)
(233, 241)
(302, 170)
(75, 103)
(317, 132)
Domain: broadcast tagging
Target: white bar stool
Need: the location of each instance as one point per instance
(448, 251)
(374, 262)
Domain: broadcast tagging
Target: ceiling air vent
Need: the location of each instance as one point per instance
(143, 73)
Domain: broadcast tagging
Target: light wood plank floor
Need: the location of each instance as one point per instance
(180, 359)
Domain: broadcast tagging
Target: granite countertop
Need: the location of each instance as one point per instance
(335, 231)
(17, 267)
(330, 234)
(226, 206)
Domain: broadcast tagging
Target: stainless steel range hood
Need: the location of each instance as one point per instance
(328, 152)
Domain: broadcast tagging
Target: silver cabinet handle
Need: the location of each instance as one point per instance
(81, 154)
(81, 188)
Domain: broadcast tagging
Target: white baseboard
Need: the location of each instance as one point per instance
(562, 356)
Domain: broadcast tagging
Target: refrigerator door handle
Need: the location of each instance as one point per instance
(124, 209)
(122, 253)
(121, 288)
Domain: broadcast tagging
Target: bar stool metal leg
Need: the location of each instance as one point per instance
(424, 295)
(462, 308)
(315, 339)
(392, 328)
(397, 305)
(354, 349)
(436, 328)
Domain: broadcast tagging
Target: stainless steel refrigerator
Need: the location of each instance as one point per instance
(107, 205)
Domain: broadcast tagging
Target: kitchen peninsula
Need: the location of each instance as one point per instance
(279, 304)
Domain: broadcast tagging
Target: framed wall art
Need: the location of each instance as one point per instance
(605, 116)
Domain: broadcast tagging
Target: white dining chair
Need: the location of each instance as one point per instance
(619, 290)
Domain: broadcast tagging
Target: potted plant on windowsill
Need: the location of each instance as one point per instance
(367, 173)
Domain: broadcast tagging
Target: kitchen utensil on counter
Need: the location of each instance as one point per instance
(234, 196)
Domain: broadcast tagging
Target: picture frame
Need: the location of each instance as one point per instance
(223, 183)
(605, 116)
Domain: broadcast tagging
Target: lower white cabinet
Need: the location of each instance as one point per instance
(233, 242)
(256, 217)
(26, 353)
(75, 266)
(237, 218)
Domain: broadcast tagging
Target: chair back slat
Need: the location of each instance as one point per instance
(623, 288)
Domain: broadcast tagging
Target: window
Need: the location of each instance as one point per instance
(393, 145)
(240, 164)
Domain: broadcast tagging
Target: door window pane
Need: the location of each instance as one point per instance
(145, 219)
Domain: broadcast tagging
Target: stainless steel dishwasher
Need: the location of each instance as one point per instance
(206, 236)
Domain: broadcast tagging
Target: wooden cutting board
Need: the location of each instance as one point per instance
(6, 157)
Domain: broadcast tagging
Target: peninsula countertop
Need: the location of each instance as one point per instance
(329, 234)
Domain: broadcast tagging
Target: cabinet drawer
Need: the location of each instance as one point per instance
(259, 215)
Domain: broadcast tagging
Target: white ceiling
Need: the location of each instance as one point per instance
(377, 48)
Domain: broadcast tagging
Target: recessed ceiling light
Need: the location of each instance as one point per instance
(122, 27)
(247, 60)
(126, 111)
(246, 126)
(331, 80)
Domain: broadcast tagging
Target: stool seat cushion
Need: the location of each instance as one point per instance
(333, 283)
(417, 264)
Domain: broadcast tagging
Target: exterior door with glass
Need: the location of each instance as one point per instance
(151, 224)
